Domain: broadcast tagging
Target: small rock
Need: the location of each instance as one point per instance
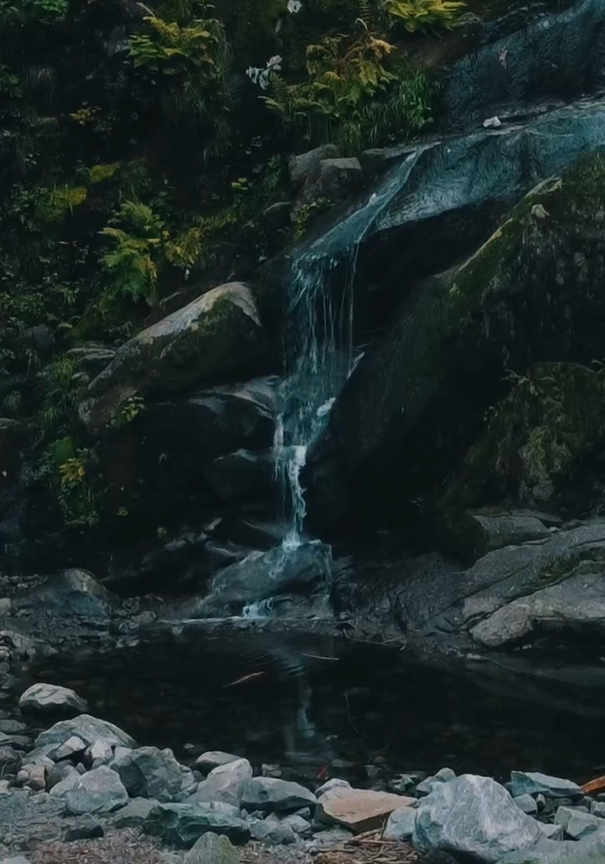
(51, 699)
(58, 773)
(134, 813)
(18, 860)
(12, 727)
(213, 759)
(99, 753)
(553, 832)
(72, 747)
(577, 824)
(328, 839)
(99, 791)
(400, 824)
(527, 804)
(5, 606)
(492, 123)
(597, 808)
(273, 833)
(60, 789)
(212, 849)
(298, 824)
(88, 828)
(4, 787)
(33, 775)
(10, 760)
(330, 785)
(533, 783)
(425, 787)
(306, 165)
(270, 794)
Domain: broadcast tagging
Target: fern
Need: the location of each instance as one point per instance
(421, 14)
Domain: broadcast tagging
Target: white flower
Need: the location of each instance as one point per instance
(294, 6)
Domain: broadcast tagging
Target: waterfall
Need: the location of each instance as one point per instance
(318, 344)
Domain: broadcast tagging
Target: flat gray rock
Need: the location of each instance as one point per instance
(213, 759)
(535, 783)
(270, 794)
(473, 816)
(134, 813)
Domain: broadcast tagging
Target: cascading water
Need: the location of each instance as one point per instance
(319, 348)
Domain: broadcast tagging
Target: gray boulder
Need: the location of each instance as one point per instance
(99, 791)
(333, 181)
(218, 335)
(52, 699)
(212, 849)
(526, 803)
(147, 772)
(225, 783)
(87, 828)
(473, 816)
(182, 824)
(578, 824)
(306, 166)
(591, 850)
(88, 729)
(536, 783)
(269, 794)
(401, 824)
(73, 596)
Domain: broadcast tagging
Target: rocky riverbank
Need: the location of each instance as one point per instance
(82, 786)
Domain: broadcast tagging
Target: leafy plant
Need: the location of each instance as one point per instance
(353, 96)
(422, 14)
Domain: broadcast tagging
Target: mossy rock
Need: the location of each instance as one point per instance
(215, 338)
(421, 396)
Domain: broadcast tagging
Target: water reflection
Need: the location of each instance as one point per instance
(324, 706)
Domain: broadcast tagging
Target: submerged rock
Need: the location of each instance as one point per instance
(474, 817)
(216, 336)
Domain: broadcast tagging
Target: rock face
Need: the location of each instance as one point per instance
(216, 336)
(475, 817)
(529, 294)
(99, 791)
(88, 729)
(150, 773)
(52, 699)
(182, 824)
(272, 795)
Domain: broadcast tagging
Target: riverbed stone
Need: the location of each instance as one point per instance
(99, 791)
(212, 849)
(50, 699)
(273, 833)
(213, 759)
(89, 729)
(590, 850)
(87, 828)
(329, 786)
(535, 783)
(33, 775)
(59, 772)
(182, 824)
(400, 824)
(426, 786)
(63, 786)
(225, 783)
(99, 753)
(74, 746)
(299, 824)
(577, 822)
(551, 831)
(134, 814)
(473, 816)
(273, 795)
(148, 772)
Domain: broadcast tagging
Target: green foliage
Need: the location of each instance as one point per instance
(22, 12)
(65, 467)
(353, 95)
(306, 214)
(422, 14)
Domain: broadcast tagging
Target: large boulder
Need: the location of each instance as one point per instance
(88, 729)
(590, 850)
(417, 399)
(52, 699)
(217, 336)
(182, 824)
(473, 817)
(147, 772)
(72, 596)
(262, 575)
(99, 791)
